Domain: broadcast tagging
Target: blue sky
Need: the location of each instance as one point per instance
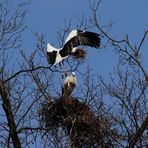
(129, 17)
(47, 16)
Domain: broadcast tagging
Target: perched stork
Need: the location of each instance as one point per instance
(70, 47)
(69, 85)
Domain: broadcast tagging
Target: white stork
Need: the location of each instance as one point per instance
(69, 85)
(74, 39)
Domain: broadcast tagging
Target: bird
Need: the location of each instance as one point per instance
(74, 39)
(69, 85)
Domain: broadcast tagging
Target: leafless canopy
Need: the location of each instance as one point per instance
(33, 110)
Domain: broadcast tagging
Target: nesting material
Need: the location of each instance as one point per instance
(78, 122)
(80, 53)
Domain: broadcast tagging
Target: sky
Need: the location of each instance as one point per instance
(48, 16)
(129, 17)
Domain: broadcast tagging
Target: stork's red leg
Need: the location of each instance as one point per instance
(61, 71)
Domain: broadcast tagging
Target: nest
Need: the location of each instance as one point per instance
(80, 53)
(78, 122)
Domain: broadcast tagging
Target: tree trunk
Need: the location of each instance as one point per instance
(9, 115)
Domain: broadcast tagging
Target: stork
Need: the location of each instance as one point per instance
(74, 39)
(70, 47)
(69, 85)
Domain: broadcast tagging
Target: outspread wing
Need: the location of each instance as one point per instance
(77, 38)
(51, 57)
(51, 54)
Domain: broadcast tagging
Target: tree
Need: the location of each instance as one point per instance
(129, 88)
(32, 105)
(11, 27)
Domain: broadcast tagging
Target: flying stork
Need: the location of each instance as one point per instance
(70, 47)
(69, 85)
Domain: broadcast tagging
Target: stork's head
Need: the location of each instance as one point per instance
(73, 74)
(73, 79)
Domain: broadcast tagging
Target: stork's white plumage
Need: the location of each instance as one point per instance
(69, 85)
(74, 39)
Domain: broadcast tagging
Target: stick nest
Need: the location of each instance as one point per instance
(78, 121)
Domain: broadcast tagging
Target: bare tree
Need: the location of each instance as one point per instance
(11, 27)
(32, 106)
(128, 87)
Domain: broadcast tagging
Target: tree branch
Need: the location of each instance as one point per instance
(139, 133)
